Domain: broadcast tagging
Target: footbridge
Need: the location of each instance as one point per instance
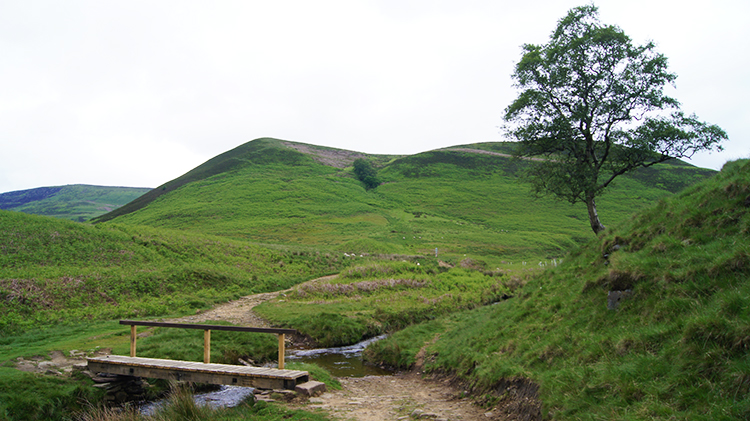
(206, 372)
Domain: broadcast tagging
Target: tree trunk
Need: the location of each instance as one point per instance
(593, 216)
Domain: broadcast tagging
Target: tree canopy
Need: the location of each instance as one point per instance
(592, 104)
(366, 173)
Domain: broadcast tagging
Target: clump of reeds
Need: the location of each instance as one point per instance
(329, 289)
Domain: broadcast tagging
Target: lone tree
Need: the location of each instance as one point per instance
(592, 105)
(366, 173)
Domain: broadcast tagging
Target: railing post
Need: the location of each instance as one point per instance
(281, 351)
(132, 340)
(207, 346)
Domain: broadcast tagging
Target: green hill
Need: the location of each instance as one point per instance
(463, 200)
(650, 320)
(77, 202)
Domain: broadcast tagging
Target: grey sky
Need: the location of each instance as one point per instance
(136, 93)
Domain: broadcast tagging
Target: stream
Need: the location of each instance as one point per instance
(345, 361)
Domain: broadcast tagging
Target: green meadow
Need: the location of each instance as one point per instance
(450, 255)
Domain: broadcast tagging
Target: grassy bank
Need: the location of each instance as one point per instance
(55, 271)
(378, 297)
(675, 348)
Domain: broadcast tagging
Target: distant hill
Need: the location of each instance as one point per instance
(466, 199)
(77, 202)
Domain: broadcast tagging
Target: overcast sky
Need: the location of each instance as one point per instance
(136, 93)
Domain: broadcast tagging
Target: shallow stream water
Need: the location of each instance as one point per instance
(343, 361)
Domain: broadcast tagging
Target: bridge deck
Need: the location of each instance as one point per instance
(237, 375)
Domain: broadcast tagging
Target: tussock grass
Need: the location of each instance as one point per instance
(381, 297)
(27, 396)
(56, 271)
(676, 349)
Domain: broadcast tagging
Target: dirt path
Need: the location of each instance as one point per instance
(399, 397)
(372, 398)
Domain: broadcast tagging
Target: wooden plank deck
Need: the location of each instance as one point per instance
(237, 375)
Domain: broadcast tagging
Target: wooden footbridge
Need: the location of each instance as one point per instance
(258, 377)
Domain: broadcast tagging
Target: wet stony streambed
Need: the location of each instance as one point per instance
(340, 362)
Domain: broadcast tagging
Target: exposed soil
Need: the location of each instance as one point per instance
(400, 396)
(338, 158)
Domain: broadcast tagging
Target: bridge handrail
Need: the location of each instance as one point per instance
(207, 334)
(209, 327)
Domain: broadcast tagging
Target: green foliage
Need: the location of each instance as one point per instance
(401, 348)
(462, 201)
(52, 271)
(27, 396)
(676, 349)
(226, 347)
(375, 298)
(366, 173)
(316, 373)
(592, 106)
(266, 217)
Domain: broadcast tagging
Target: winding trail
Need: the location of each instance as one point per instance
(371, 398)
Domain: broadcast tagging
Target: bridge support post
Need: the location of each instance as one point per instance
(207, 346)
(133, 338)
(281, 351)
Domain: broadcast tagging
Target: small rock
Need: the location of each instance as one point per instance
(283, 395)
(614, 298)
(311, 388)
(417, 413)
(489, 414)
(81, 367)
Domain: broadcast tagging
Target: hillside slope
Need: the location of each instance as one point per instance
(466, 200)
(650, 320)
(58, 271)
(77, 202)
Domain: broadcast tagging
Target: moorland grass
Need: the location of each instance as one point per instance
(28, 396)
(226, 347)
(252, 222)
(370, 299)
(676, 349)
(55, 271)
(455, 201)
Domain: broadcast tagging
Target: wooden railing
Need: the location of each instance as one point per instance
(207, 335)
